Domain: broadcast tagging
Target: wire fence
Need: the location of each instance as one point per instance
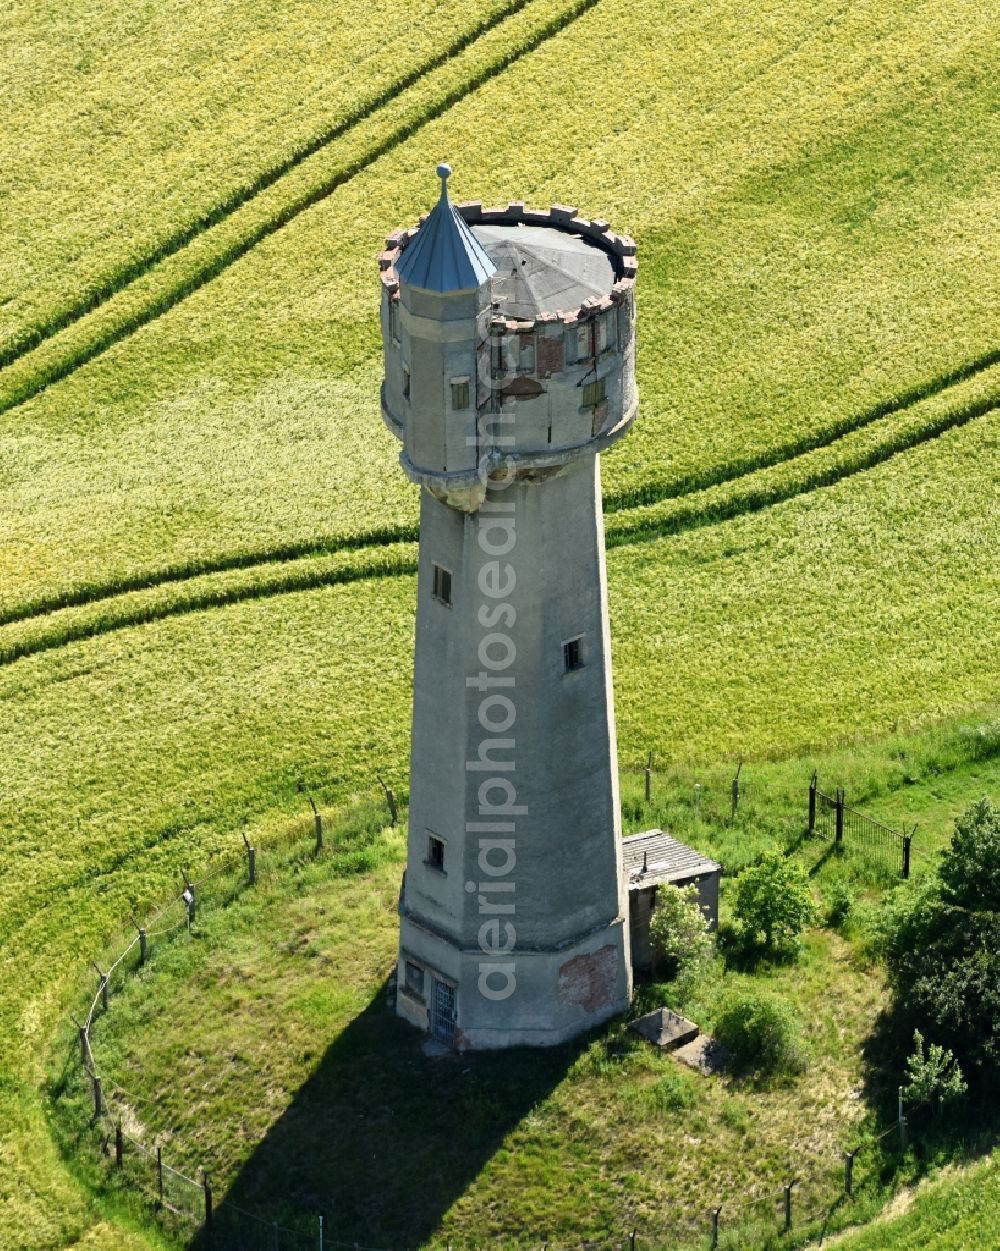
(798, 1206)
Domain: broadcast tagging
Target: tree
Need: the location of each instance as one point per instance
(933, 1076)
(941, 943)
(678, 932)
(773, 900)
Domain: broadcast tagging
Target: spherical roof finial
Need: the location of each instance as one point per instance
(444, 172)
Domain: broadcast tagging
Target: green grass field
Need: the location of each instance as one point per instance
(207, 548)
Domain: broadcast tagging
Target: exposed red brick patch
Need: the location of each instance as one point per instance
(589, 980)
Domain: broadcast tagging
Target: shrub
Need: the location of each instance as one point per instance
(773, 900)
(761, 1034)
(934, 1077)
(839, 905)
(678, 932)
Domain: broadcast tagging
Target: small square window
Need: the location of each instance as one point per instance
(413, 979)
(572, 656)
(459, 393)
(595, 393)
(394, 321)
(435, 853)
(442, 584)
(406, 384)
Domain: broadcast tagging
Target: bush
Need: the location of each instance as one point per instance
(678, 932)
(773, 901)
(761, 1034)
(839, 905)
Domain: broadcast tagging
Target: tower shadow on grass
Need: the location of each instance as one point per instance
(381, 1140)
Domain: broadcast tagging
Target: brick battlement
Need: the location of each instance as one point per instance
(560, 217)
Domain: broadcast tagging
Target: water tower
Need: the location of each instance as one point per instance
(509, 338)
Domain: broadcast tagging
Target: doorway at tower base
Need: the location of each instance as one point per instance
(531, 997)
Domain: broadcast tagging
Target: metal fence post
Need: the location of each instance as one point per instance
(159, 1173)
(251, 859)
(208, 1200)
(697, 801)
(715, 1227)
(813, 784)
(849, 1173)
(788, 1205)
(119, 1144)
(631, 1241)
(906, 855)
(318, 822)
(839, 806)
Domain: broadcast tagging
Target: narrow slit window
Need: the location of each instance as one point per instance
(583, 341)
(442, 584)
(435, 853)
(406, 384)
(595, 393)
(459, 393)
(572, 655)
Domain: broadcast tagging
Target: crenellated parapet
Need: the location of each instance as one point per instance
(527, 372)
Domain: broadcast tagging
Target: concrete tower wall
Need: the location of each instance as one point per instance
(513, 915)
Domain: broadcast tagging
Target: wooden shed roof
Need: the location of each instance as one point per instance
(665, 859)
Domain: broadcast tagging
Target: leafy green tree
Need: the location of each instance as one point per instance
(941, 944)
(933, 1075)
(773, 900)
(678, 932)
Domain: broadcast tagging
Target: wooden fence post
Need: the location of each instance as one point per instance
(715, 1227)
(849, 1173)
(104, 984)
(839, 807)
(119, 1144)
(649, 778)
(813, 783)
(159, 1173)
(98, 1098)
(736, 788)
(208, 1200)
(390, 799)
(697, 801)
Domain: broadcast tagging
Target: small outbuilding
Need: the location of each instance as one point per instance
(653, 859)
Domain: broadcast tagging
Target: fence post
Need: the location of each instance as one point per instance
(321, 1231)
(104, 984)
(119, 1144)
(906, 855)
(82, 1033)
(159, 1173)
(839, 805)
(142, 939)
(849, 1173)
(98, 1098)
(251, 859)
(631, 1241)
(736, 788)
(208, 1200)
(318, 822)
(649, 778)
(715, 1227)
(813, 783)
(788, 1205)
(697, 801)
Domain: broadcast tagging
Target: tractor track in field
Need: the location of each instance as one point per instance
(179, 287)
(102, 610)
(116, 282)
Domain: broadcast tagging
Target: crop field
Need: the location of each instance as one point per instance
(207, 548)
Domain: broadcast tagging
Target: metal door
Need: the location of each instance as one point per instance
(443, 1014)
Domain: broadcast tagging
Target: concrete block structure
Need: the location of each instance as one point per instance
(654, 859)
(509, 339)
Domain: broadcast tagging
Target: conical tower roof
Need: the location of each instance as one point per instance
(445, 255)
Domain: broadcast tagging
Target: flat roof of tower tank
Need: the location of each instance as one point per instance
(543, 270)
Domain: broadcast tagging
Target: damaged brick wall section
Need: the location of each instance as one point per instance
(589, 980)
